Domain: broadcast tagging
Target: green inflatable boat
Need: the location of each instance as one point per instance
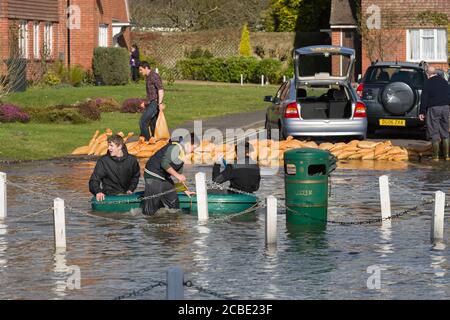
(217, 203)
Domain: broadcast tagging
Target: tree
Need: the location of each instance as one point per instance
(191, 15)
(13, 72)
(245, 48)
(284, 14)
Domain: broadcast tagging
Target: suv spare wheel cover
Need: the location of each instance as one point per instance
(398, 98)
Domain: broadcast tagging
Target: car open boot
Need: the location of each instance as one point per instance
(445, 146)
(436, 145)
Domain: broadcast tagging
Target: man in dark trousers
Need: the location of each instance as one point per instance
(117, 172)
(164, 165)
(434, 107)
(242, 176)
(155, 96)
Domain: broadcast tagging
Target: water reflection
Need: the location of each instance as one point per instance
(3, 246)
(306, 238)
(438, 261)
(385, 246)
(200, 250)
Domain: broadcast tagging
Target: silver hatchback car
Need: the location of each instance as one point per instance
(319, 101)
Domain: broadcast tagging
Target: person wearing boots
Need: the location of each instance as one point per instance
(434, 107)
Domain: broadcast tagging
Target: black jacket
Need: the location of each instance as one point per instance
(114, 175)
(435, 93)
(243, 177)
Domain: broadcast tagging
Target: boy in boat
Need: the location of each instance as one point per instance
(242, 176)
(117, 172)
(160, 169)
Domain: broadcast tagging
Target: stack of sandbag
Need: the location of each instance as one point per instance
(145, 149)
(98, 145)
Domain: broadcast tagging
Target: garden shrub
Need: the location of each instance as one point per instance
(111, 65)
(230, 69)
(132, 105)
(76, 75)
(106, 104)
(69, 114)
(51, 79)
(12, 113)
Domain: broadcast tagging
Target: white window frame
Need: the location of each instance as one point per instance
(48, 40)
(103, 31)
(36, 40)
(23, 39)
(421, 58)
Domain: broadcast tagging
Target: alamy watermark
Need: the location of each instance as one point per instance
(73, 14)
(74, 280)
(373, 21)
(374, 280)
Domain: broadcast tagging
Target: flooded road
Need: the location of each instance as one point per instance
(116, 255)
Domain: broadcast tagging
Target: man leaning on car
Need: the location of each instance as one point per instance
(435, 105)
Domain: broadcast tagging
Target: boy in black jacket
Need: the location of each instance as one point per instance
(117, 172)
(243, 177)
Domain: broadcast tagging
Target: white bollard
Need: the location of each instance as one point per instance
(59, 223)
(202, 196)
(242, 79)
(2, 195)
(262, 80)
(175, 286)
(437, 220)
(385, 199)
(271, 221)
(284, 79)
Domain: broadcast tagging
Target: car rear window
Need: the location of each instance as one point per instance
(413, 77)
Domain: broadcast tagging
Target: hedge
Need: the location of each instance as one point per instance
(230, 69)
(111, 65)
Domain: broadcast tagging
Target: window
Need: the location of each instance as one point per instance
(23, 39)
(36, 39)
(427, 44)
(48, 40)
(103, 36)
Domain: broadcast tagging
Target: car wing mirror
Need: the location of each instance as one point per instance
(268, 99)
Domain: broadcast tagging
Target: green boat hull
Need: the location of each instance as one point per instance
(217, 203)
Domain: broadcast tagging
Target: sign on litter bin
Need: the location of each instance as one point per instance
(16, 74)
(306, 185)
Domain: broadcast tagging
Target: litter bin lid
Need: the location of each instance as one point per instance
(306, 153)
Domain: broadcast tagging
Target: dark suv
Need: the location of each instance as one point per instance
(391, 92)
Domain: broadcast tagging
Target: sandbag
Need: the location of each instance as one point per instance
(81, 150)
(161, 128)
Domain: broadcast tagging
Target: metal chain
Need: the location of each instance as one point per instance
(140, 292)
(142, 225)
(190, 284)
(32, 214)
(369, 221)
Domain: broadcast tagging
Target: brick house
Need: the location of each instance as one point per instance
(38, 29)
(400, 30)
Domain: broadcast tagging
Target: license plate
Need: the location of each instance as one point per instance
(392, 122)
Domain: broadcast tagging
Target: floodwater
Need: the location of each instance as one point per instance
(116, 255)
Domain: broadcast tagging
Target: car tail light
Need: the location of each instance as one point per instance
(360, 110)
(291, 111)
(360, 89)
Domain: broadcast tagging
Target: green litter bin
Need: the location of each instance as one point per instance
(306, 185)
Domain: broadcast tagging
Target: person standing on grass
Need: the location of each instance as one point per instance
(134, 63)
(155, 96)
(115, 173)
(434, 107)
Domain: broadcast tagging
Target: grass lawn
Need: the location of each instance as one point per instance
(184, 102)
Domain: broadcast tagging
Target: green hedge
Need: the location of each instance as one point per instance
(230, 69)
(111, 65)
